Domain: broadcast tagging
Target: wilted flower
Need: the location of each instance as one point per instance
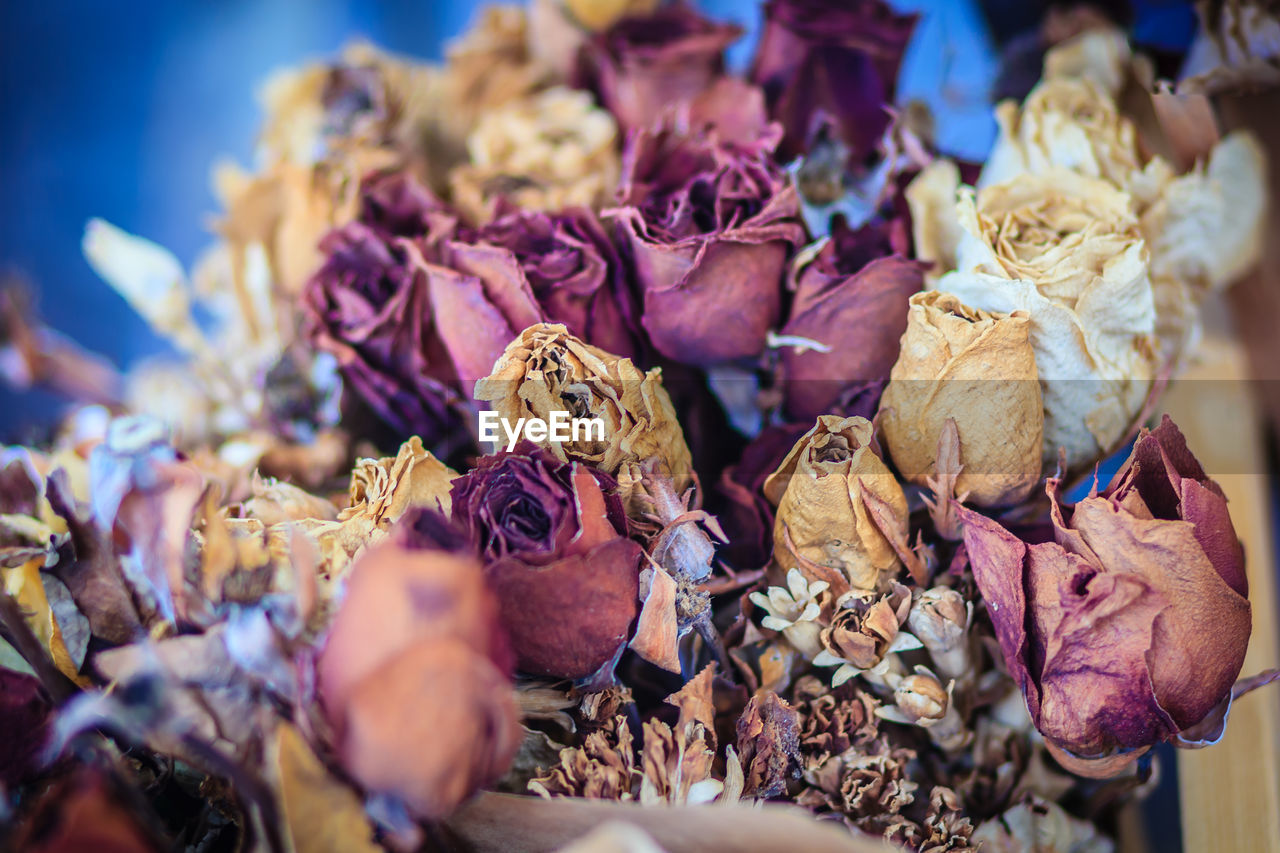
(558, 29)
(1067, 250)
(551, 150)
(525, 268)
(864, 631)
(710, 227)
(413, 679)
(553, 537)
(940, 619)
(835, 497)
(1129, 629)
(793, 611)
(368, 306)
(87, 810)
(548, 370)
(851, 302)
(979, 370)
(645, 65)
(834, 60)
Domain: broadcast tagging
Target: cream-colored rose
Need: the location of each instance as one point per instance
(1067, 250)
(1099, 54)
(935, 227)
(553, 150)
(833, 494)
(1073, 124)
(547, 370)
(976, 368)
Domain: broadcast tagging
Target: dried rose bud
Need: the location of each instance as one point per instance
(939, 618)
(849, 285)
(978, 369)
(553, 536)
(835, 58)
(547, 370)
(413, 678)
(834, 497)
(646, 65)
(521, 269)
(921, 697)
(1132, 627)
(709, 226)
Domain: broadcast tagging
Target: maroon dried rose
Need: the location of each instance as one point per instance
(553, 536)
(851, 301)
(368, 305)
(415, 651)
(832, 60)
(643, 66)
(86, 810)
(1131, 628)
(526, 268)
(709, 226)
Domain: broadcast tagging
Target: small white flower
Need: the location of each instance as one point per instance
(793, 611)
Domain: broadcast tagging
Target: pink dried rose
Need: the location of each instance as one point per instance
(832, 60)
(368, 305)
(645, 65)
(1131, 628)
(553, 538)
(851, 302)
(709, 227)
(413, 677)
(525, 268)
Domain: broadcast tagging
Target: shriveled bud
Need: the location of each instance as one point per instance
(835, 499)
(978, 369)
(940, 619)
(547, 370)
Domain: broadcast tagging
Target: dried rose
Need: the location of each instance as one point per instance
(832, 59)
(1129, 629)
(548, 370)
(558, 29)
(551, 150)
(413, 678)
(979, 370)
(1066, 249)
(835, 497)
(851, 302)
(553, 537)
(368, 306)
(644, 65)
(526, 268)
(710, 227)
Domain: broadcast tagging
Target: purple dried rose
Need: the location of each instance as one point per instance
(709, 227)
(851, 300)
(526, 268)
(1131, 628)
(645, 65)
(830, 59)
(368, 305)
(553, 537)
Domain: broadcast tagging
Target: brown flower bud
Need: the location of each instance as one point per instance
(939, 618)
(864, 632)
(547, 370)
(980, 370)
(834, 497)
(413, 678)
(922, 697)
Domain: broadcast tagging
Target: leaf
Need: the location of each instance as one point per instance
(320, 813)
(657, 631)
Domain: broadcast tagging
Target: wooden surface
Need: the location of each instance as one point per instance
(1230, 792)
